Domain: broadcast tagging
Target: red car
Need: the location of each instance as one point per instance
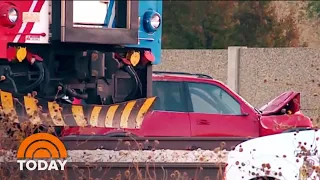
(192, 105)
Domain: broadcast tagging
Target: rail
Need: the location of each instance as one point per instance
(88, 171)
(125, 170)
(142, 143)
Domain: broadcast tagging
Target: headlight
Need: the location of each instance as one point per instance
(155, 21)
(9, 15)
(13, 15)
(151, 21)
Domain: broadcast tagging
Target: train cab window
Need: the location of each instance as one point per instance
(169, 96)
(211, 99)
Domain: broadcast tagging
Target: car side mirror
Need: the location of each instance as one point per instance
(244, 114)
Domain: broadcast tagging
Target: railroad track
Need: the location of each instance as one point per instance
(106, 171)
(101, 171)
(143, 143)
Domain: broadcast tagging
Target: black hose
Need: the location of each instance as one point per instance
(53, 98)
(46, 77)
(138, 85)
(73, 93)
(68, 92)
(38, 81)
(137, 79)
(13, 83)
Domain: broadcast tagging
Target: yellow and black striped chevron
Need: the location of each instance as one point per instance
(128, 114)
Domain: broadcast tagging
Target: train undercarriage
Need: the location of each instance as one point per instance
(91, 76)
(96, 77)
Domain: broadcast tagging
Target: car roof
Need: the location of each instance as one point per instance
(181, 74)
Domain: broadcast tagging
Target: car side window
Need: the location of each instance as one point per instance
(212, 99)
(169, 96)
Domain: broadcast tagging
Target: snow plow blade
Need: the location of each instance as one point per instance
(128, 114)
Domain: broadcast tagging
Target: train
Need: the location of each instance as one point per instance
(53, 53)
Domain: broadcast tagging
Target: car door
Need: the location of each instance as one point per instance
(215, 112)
(169, 116)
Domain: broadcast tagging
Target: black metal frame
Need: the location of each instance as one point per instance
(119, 36)
(149, 81)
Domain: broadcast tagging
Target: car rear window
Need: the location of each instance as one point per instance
(169, 96)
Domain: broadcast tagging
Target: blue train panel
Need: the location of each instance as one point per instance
(149, 36)
(150, 25)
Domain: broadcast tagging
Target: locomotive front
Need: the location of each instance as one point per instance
(100, 52)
